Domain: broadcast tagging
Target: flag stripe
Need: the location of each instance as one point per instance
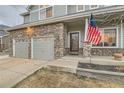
(93, 33)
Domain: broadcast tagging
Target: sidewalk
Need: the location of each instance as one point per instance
(4, 56)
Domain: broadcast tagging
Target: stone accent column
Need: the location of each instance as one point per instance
(86, 49)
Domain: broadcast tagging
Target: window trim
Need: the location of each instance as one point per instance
(68, 34)
(94, 7)
(67, 10)
(34, 12)
(43, 9)
(52, 12)
(117, 45)
(39, 9)
(80, 10)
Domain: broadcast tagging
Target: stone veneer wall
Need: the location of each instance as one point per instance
(106, 51)
(57, 30)
(100, 51)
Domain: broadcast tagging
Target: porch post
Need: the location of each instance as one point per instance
(121, 33)
(86, 27)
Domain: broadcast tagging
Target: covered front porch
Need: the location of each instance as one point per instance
(103, 68)
(111, 26)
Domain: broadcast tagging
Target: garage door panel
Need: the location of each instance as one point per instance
(21, 49)
(43, 48)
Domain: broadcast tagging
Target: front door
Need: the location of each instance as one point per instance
(74, 42)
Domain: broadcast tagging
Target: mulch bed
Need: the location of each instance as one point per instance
(101, 67)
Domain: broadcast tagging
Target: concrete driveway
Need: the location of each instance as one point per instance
(13, 70)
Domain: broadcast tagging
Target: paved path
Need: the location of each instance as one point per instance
(13, 70)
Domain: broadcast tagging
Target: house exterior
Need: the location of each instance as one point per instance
(4, 38)
(50, 32)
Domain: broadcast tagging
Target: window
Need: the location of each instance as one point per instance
(80, 7)
(42, 14)
(71, 9)
(93, 6)
(109, 38)
(49, 12)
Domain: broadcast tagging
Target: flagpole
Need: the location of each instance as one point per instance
(90, 54)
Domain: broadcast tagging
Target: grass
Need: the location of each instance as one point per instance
(45, 78)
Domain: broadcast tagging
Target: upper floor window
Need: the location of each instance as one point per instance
(49, 12)
(42, 14)
(71, 9)
(109, 38)
(80, 7)
(93, 6)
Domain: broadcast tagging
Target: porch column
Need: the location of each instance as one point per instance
(86, 28)
(121, 33)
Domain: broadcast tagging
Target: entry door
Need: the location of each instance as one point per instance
(74, 42)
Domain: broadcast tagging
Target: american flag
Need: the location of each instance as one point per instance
(93, 34)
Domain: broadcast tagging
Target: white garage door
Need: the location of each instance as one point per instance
(20, 48)
(43, 48)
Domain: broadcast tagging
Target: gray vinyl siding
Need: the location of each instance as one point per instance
(34, 16)
(26, 18)
(59, 10)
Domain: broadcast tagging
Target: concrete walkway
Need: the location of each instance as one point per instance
(13, 70)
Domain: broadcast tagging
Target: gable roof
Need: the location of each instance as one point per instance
(2, 27)
(2, 30)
